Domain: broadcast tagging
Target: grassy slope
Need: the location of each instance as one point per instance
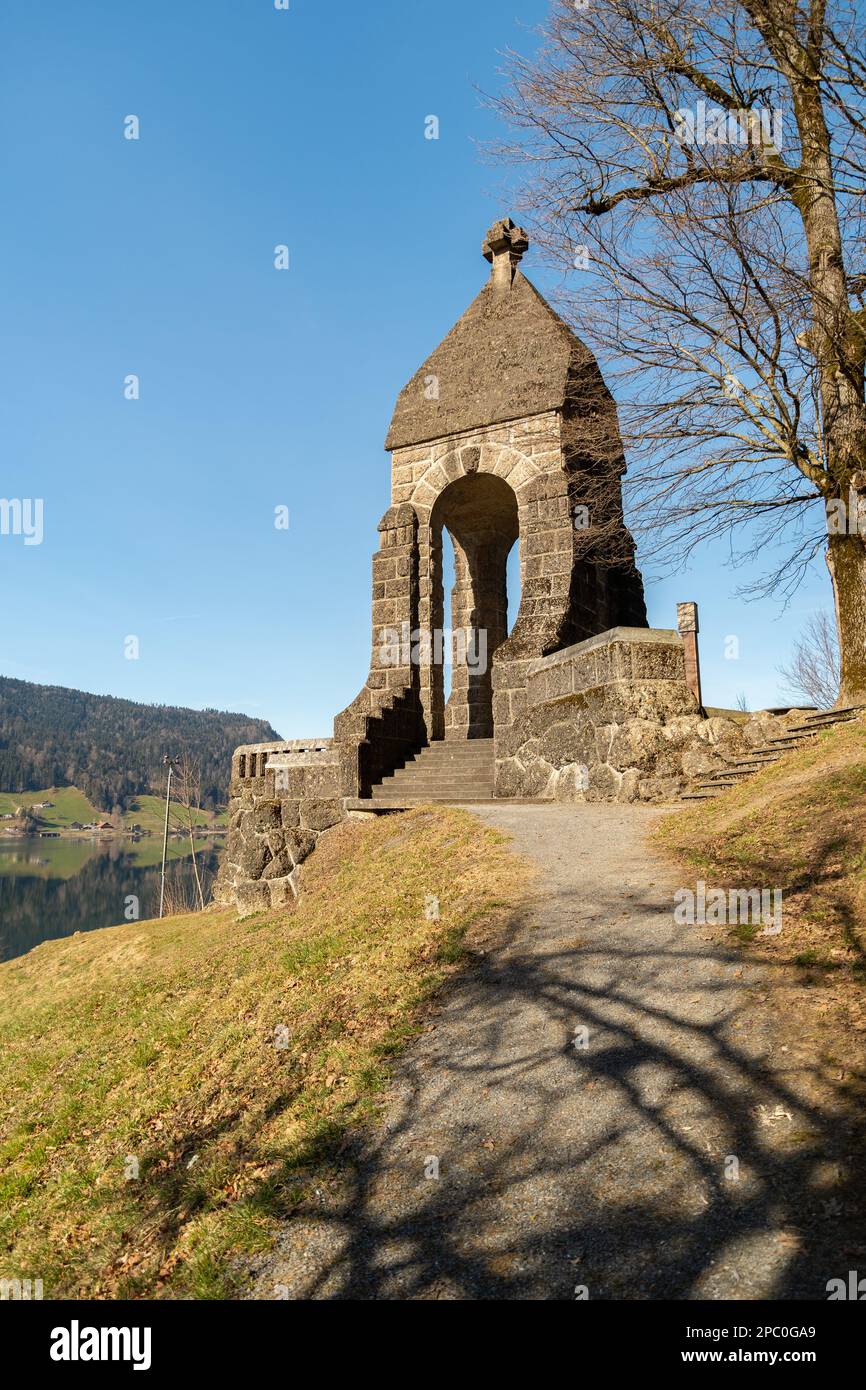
(70, 805)
(800, 825)
(149, 813)
(157, 1041)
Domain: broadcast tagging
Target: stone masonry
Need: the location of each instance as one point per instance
(282, 796)
(506, 434)
(613, 719)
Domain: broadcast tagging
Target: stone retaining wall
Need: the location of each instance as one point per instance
(612, 719)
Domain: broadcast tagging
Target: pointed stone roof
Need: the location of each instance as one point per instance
(510, 355)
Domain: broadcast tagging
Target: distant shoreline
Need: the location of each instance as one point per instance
(199, 833)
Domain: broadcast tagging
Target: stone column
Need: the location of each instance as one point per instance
(687, 622)
(430, 620)
(462, 617)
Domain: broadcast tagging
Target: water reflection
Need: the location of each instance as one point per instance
(52, 888)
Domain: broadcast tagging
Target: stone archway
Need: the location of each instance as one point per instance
(480, 513)
(507, 431)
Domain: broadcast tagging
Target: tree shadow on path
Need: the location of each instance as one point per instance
(603, 1113)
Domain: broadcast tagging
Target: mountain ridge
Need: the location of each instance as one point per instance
(110, 747)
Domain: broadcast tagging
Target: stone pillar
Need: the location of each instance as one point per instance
(687, 623)
(395, 599)
(384, 723)
(463, 613)
(431, 619)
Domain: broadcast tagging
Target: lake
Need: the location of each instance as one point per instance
(52, 888)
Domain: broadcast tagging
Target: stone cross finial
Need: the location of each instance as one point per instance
(504, 246)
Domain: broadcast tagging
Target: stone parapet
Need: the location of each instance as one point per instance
(611, 718)
(282, 796)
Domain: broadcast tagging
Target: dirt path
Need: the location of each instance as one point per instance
(679, 1154)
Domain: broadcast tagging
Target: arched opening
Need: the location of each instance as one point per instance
(478, 513)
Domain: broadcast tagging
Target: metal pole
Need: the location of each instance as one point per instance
(165, 838)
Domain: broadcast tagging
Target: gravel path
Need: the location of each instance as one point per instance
(679, 1154)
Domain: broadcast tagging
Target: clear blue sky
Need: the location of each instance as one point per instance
(259, 388)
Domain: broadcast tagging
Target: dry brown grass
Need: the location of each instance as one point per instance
(800, 825)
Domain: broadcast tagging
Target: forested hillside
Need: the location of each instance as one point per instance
(111, 749)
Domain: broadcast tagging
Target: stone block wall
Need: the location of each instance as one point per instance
(282, 796)
(612, 719)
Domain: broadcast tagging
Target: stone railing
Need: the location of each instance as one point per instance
(611, 719)
(282, 796)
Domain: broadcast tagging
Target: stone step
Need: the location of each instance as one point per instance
(749, 769)
(446, 790)
(754, 766)
(396, 803)
(459, 774)
(446, 765)
(442, 788)
(437, 752)
(845, 711)
(715, 783)
(784, 743)
(452, 753)
(718, 783)
(458, 746)
(436, 791)
(444, 769)
(450, 760)
(812, 728)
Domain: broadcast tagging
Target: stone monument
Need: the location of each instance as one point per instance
(506, 434)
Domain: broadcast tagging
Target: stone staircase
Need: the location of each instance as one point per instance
(443, 771)
(711, 785)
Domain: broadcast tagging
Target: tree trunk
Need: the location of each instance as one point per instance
(846, 561)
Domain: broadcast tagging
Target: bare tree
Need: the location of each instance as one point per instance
(187, 793)
(814, 669)
(697, 171)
